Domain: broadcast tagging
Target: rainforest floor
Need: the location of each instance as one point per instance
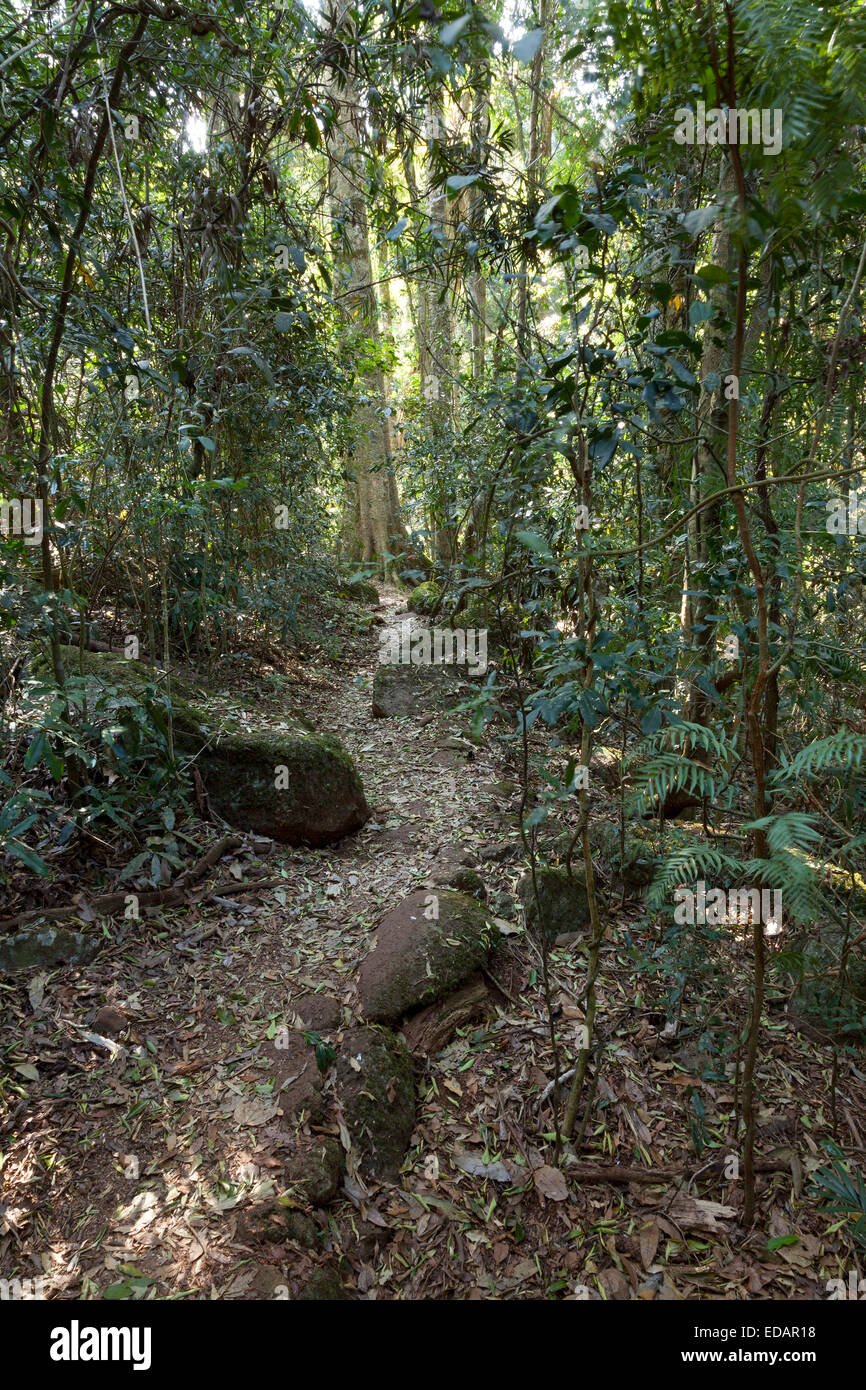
(126, 1171)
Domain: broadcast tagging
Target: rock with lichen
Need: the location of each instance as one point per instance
(422, 951)
(376, 1089)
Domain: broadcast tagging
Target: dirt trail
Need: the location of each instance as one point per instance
(169, 1144)
(130, 1169)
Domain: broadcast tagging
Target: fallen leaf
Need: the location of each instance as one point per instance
(649, 1243)
(477, 1168)
(551, 1183)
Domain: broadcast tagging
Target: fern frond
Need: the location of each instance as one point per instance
(842, 751)
(688, 865)
(792, 830)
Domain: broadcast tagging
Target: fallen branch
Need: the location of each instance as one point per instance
(226, 845)
(116, 902)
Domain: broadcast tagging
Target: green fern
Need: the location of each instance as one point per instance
(687, 865)
(668, 768)
(842, 751)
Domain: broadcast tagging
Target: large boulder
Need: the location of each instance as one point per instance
(291, 784)
(561, 901)
(422, 951)
(296, 786)
(376, 1090)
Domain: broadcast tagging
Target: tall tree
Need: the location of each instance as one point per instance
(373, 527)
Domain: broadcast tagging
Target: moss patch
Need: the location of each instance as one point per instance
(376, 1087)
(418, 957)
(424, 597)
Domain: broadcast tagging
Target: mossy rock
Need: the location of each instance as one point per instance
(635, 868)
(425, 597)
(469, 882)
(376, 1089)
(292, 785)
(277, 1221)
(323, 1286)
(362, 591)
(562, 901)
(47, 946)
(419, 957)
(317, 1172)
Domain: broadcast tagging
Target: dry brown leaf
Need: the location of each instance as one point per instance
(649, 1243)
(551, 1183)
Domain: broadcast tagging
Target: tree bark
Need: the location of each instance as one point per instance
(372, 525)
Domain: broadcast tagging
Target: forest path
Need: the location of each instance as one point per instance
(130, 1167)
(130, 1163)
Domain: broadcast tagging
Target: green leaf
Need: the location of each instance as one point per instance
(533, 541)
(28, 857)
(458, 181)
(713, 275)
(699, 219)
(651, 720)
(699, 312)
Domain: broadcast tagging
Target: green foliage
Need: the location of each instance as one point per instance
(843, 1192)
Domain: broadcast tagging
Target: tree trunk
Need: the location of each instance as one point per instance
(372, 525)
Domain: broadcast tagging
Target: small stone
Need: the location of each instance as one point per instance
(110, 1022)
(319, 1012)
(508, 849)
(268, 1282)
(502, 904)
(322, 1285)
(317, 1172)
